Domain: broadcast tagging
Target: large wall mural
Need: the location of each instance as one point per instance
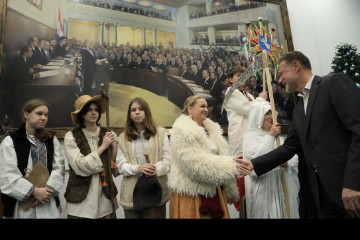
(59, 83)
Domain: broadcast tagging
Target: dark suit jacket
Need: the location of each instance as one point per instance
(52, 52)
(19, 70)
(38, 57)
(89, 69)
(328, 136)
(59, 50)
(207, 85)
(186, 75)
(216, 90)
(88, 61)
(197, 78)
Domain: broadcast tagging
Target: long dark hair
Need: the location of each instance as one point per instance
(149, 123)
(42, 134)
(84, 110)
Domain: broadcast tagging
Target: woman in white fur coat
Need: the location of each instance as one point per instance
(202, 178)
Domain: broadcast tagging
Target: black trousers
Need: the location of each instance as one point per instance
(328, 207)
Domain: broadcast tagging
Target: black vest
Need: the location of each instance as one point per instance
(78, 186)
(22, 150)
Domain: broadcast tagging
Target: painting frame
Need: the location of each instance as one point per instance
(36, 3)
(285, 21)
(62, 130)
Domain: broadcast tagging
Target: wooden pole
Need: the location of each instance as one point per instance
(105, 96)
(274, 116)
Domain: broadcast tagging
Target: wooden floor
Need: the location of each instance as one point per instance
(164, 112)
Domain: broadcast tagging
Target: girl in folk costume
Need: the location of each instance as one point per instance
(238, 107)
(203, 176)
(32, 168)
(90, 190)
(142, 137)
(265, 195)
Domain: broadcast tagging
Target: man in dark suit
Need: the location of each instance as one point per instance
(208, 82)
(326, 131)
(52, 47)
(60, 49)
(186, 74)
(89, 61)
(20, 71)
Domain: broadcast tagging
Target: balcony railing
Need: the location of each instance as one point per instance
(87, 12)
(233, 17)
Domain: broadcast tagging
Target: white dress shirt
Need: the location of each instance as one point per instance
(305, 93)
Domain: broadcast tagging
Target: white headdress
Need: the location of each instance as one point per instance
(256, 115)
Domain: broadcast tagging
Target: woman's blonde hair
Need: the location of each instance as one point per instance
(189, 102)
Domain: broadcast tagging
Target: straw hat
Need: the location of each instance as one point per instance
(83, 100)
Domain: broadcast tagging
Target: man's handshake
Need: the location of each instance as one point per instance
(245, 166)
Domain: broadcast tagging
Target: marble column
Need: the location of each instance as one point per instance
(102, 32)
(144, 36)
(116, 34)
(208, 5)
(242, 31)
(211, 35)
(155, 37)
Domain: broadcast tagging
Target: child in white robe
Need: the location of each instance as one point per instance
(265, 194)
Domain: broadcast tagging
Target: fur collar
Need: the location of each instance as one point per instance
(191, 130)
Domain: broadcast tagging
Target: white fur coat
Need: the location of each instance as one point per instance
(195, 170)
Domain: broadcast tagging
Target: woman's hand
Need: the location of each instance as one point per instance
(148, 169)
(114, 143)
(245, 166)
(263, 95)
(43, 195)
(109, 139)
(275, 130)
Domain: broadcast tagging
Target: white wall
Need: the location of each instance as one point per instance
(47, 15)
(317, 26)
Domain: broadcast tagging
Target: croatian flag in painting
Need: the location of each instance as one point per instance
(59, 30)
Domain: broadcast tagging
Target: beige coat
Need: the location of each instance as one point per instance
(156, 155)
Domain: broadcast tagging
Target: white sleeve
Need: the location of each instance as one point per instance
(82, 165)
(57, 176)
(12, 182)
(125, 168)
(239, 104)
(255, 145)
(163, 166)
